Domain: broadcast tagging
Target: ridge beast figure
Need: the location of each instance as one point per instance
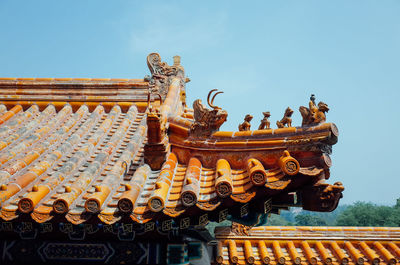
(245, 126)
(207, 121)
(286, 120)
(313, 115)
(265, 124)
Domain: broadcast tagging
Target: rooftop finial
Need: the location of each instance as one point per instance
(177, 60)
(162, 73)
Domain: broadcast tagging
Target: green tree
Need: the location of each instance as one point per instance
(277, 220)
(397, 203)
(368, 214)
(309, 220)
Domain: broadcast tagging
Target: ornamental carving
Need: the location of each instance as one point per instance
(288, 164)
(156, 204)
(125, 205)
(315, 114)
(245, 126)
(322, 197)
(223, 189)
(265, 124)
(240, 229)
(207, 121)
(258, 179)
(161, 73)
(188, 199)
(330, 191)
(286, 120)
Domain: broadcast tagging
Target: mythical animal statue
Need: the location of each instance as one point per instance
(313, 115)
(245, 126)
(207, 121)
(286, 120)
(161, 73)
(330, 191)
(322, 197)
(265, 124)
(240, 229)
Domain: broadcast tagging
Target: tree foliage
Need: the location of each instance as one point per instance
(277, 220)
(309, 220)
(357, 214)
(368, 214)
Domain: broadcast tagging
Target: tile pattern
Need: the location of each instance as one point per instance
(74, 91)
(66, 162)
(309, 245)
(150, 192)
(85, 164)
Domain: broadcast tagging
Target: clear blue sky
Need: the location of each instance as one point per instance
(265, 55)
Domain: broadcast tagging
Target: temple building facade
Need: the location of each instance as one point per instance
(123, 171)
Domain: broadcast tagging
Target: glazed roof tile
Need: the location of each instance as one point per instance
(309, 245)
(66, 157)
(75, 91)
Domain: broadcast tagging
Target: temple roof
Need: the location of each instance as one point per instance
(104, 150)
(308, 245)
